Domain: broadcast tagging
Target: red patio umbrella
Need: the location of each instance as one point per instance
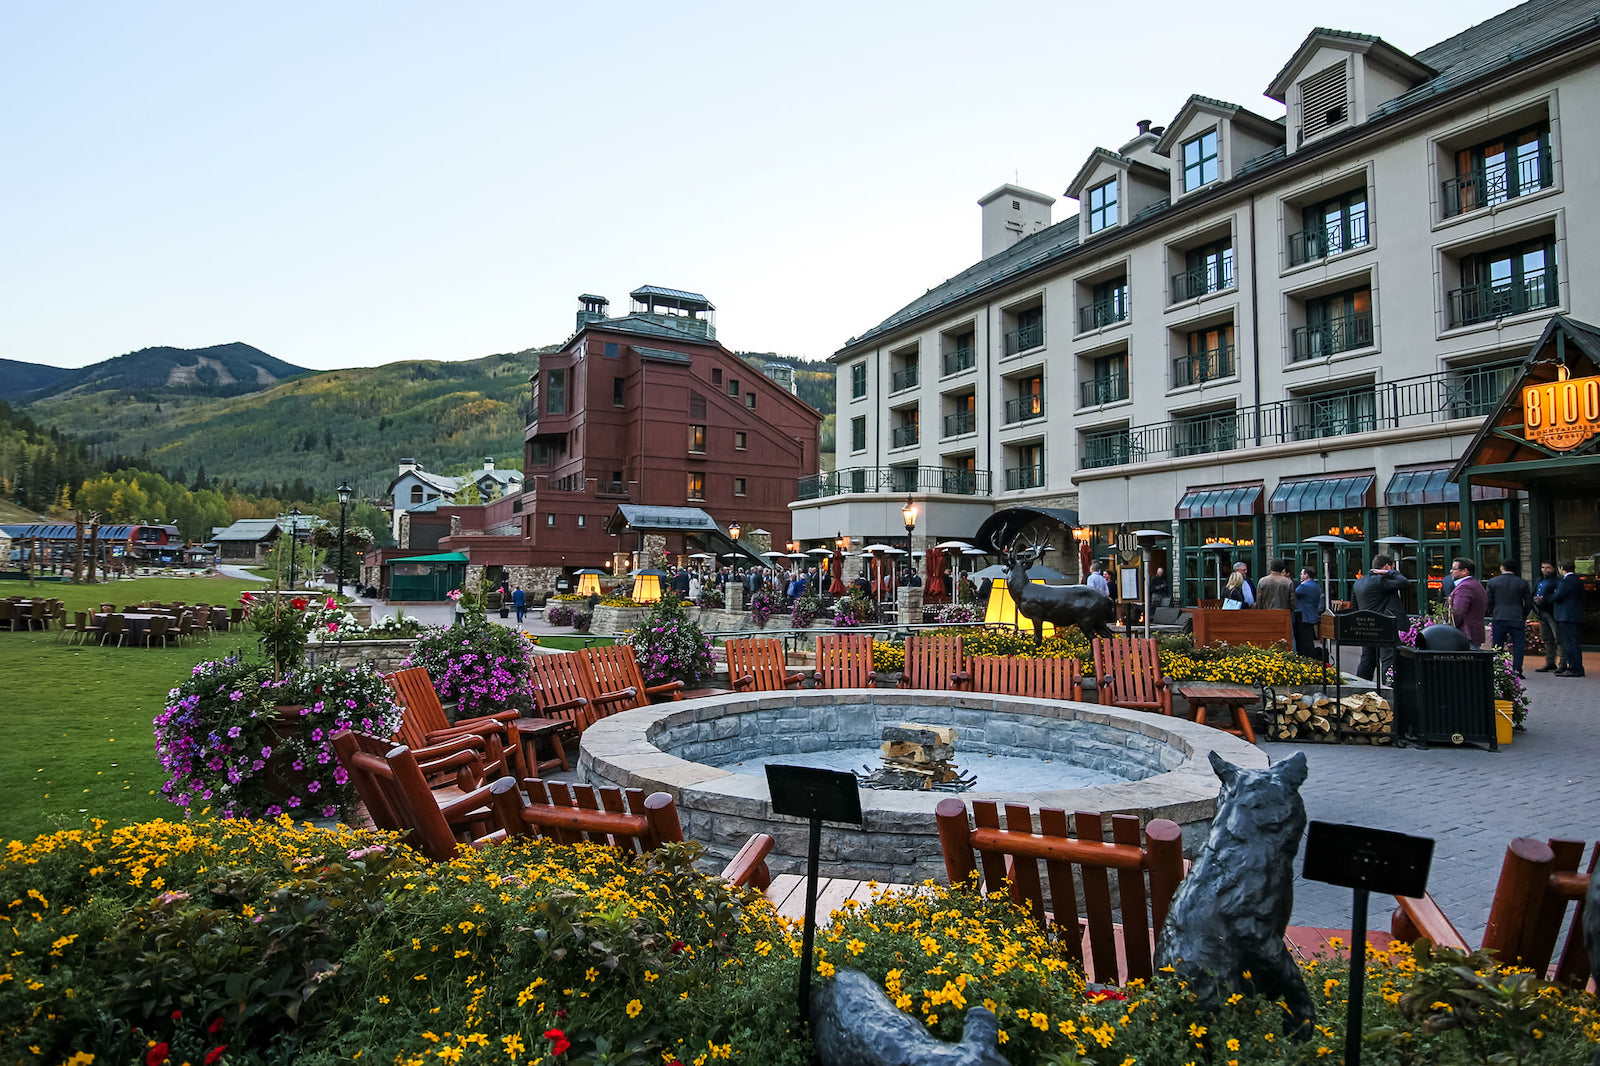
(935, 567)
(836, 565)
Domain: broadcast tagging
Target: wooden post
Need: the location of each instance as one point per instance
(1524, 877)
(662, 814)
(1163, 840)
(951, 816)
(94, 543)
(77, 554)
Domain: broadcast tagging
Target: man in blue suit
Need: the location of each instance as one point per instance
(1308, 604)
(1567, 605)
(519, 600)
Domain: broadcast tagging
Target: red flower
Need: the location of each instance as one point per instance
(299, 603)
(677, 946)
(1104, 994)
(215, 1053)
(157, 1055)
(177, 1014)
(558, 1041)
(245, 597)
(561, 1012)
(330, 604)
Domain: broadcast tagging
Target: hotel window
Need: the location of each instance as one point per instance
(738, 486)
(1329, 228)
(733, 386)
(583, 520)
(750, 400)
(610, 353)
(1029, 471)
(716, 377)
(858, 380)
(697, 486)
(697, 439)
(1210, 356)
(616, 482)
(1107, 381)
(858, 434)
(1505, 281)
(1103, 206)
(1499, 170)
(416, 493)
(740, 440)
(1028, 402)
(550, 520)
(1208, 268)
(619, 389)
(1337, 323)
(555, 392)
(1200, 161)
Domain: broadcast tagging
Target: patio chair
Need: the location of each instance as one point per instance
(116, 631)
(844, 660)
(563, 691)
(758, 664)
(38, 616)
(934, 661)
(616, 669)
(76, 627)
(394, 787)
(155, 633)
(625, 819)
(185, 628)
(1127, 672)
(8, 615)
(1015, 675)
(424, 723)
(1538, 879)
(1148, 864)
(94, 628)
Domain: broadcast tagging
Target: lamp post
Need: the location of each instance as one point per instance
(345, 492)
(1326, 542)
(909, 514)
(294, 542)
(1147, 540)
(734, 530)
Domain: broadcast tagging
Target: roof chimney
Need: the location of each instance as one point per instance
(1011, 213)
(1144, 126)
(408, 465)
(594, 309)
(488, 462)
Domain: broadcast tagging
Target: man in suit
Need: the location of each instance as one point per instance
(1468, 601)
(1276, 591)
(519, 600)
(1243, 570)
(680, 582)
(1510, 600)
(1567, 601)
(1308, 605)
(1547, 621)
(1379, 590)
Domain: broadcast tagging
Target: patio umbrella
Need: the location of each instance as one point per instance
(936, 564)
(870, 548)
(836, 567)
(774, 555)
(702, 555)
(952, 545)
(819, 552)
(798, 555)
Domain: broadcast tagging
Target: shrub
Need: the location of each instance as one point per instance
(764, 603)
(582, 620)
(958, 613)
(710, 599)
(856, 609)
(888, 658)
(281, 623)
(559, 615)
(669, 647)
(482, 666)
(805, 611)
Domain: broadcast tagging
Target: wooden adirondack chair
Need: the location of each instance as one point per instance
(1014, 675)
(935, 661)
(627, 819)
(1148, 865)
(615, 669)
(759, 665)
(424, 723)
(1537, 881)
(844, 660)
(394, 787)
(1127, 671)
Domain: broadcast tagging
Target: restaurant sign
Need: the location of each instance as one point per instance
(1561, 414)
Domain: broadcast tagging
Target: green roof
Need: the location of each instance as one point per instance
(443, 557)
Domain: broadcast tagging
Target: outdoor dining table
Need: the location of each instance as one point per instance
(136, 625)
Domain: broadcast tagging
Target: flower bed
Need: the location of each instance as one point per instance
(480, 666)
(527, 952)
(1181, 660)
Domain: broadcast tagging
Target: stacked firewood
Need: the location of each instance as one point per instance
(918, 756)
(1364, 718)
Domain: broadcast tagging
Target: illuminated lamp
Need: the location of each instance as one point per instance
(647, 585)
(1003, 610)
(589, 582)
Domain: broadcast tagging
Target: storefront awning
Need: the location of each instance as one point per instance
(1412, 487)
(1323, 494)
(1001, 528)
(445, 557)
(1237, 501)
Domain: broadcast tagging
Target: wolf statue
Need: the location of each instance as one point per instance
(854, 1024)
(1228, 917)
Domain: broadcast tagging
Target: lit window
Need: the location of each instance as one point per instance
(583, 520)
(697, 439)
(1200, 161)
(697, 486)
(550, 520)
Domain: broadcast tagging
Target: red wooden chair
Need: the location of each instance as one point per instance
(1015, 675)
(935, 661)
(394, 787)
(424, 724)
(614, 668)
(758, 664)
(1127, 672)
(844, 660)
(1148, 866)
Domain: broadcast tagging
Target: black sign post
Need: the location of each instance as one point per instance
(1367, 860)
(817, 795)
(1361, 627)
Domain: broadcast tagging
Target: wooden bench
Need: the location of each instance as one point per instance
(1148, 865)
(1015, 675)
(1127, 673)
(757, 664)
(844, 660)
(934, 661)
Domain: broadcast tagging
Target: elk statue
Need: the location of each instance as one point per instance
(1060, 605)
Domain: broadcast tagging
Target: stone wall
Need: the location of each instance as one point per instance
(384, 656)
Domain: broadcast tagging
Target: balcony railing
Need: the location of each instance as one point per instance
(1494, 185)
(1024, 477)
(570, 483)
(1320, 242)
(1484, 303)
(954, 481)
(1200, 367)
(1103, 313)
(1022, 408)
(1211, 277)
(1342, 334)
(1417, 401)
(1020, 340)
(904, 435)
(959, 423)
(904, 378)
(1106, 389)
(959, 360)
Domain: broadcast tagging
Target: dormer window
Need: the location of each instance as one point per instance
(1200, 158)
(1103, 206)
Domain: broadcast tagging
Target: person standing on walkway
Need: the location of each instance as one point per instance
(1568, 603)
(1233, 595)
(1547, 621)
(1308, 605)
(1468, 601)
(1379, 591)
(1097, 579)
(1276, 591)
(519, 602)
(1510, 600)
(1242, 569)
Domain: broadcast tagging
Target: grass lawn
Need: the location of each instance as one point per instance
(79, 741)
(574, 642)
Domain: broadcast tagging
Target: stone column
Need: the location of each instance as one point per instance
(908, 602)
(733, 593)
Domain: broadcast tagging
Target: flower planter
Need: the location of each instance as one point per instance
(283, 780)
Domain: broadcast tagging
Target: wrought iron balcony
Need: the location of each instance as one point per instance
(1198, 436)
(1023, 408)
(1103, 313)
(1319, 242)
(1495, 185)
(1020, 340)
(1112, 448)
(1342, 334)
(904, 378)
(1210, 277)
(890, 480)
(959, 360)
(904, 435)
(1200, 367)
(1106, 389)
(1484, 303)
(959, 423)
(1025, 477)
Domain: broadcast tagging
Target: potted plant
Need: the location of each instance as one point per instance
(669, 647)
(480, 666)
(282, 624)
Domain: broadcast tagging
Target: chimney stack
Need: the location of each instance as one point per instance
(408, 465)
(488, 462)
(1144, 126)
(1011, 213)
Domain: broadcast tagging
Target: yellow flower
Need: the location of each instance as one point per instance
(856, 946)
(634, 1008)
(1233, 1043)
(825, 969)
(1196, 1031)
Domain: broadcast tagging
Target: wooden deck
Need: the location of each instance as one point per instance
(788, 894)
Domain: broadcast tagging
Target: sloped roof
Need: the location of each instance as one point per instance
(649, 327)
(1195, 103)
(65, 531)
(673, 519)
(671, 294)
(662, 355)
(1278, 88)
(250, 529)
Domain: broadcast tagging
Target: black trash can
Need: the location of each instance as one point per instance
(1444, 697)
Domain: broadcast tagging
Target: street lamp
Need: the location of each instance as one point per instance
(345, 492)
(734, 530)
(294, 542)
(1147, 541)
(909, 513)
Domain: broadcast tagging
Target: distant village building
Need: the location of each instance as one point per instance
(415, 487)
(246, 541)
(160, 545)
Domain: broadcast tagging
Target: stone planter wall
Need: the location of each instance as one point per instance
(614, 621)
(385, 656)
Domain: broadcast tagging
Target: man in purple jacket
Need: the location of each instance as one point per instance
(1468, 601)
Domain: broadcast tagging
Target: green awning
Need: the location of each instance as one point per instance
(445, 557)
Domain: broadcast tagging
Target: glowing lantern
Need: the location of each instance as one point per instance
(589, 582)
(647, 586)
(1003, 609)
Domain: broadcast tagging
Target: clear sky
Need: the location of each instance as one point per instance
(348, 184)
